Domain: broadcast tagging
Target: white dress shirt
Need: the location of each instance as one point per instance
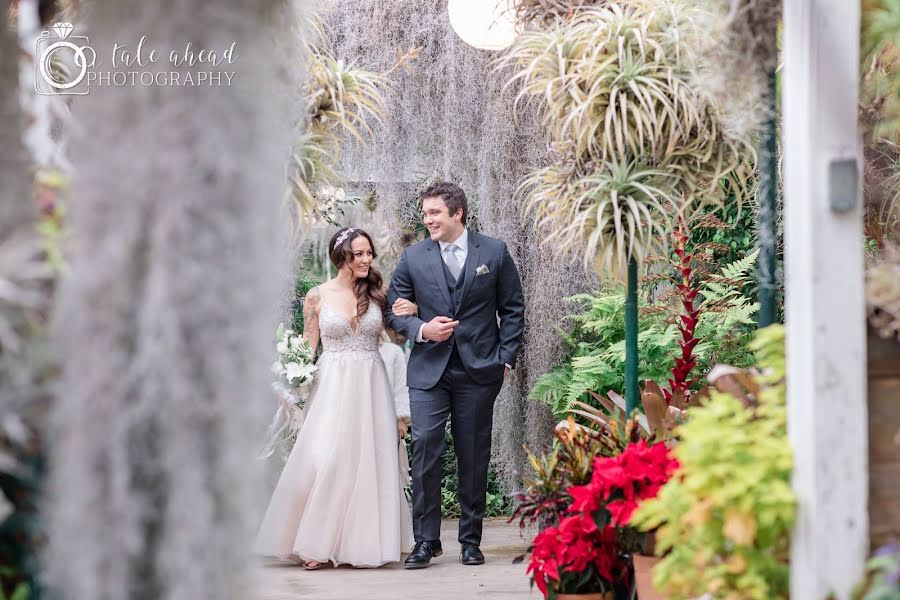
(460, 251)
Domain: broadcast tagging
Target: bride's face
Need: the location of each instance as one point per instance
(363, 255)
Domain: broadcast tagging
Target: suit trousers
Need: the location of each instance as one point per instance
(470, 406)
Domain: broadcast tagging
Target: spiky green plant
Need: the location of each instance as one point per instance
(632, 133)
(340, 99)
(342, 96)
(614, 212)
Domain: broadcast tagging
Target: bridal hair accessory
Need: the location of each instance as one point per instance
(343, 237)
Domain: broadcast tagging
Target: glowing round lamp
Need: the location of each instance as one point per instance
(485, 24)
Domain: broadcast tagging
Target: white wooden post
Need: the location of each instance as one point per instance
(824, 301)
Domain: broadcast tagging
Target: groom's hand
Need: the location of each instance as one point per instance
(439, 329)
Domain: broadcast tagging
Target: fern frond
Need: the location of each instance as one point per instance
(552, 389)
(739, 270)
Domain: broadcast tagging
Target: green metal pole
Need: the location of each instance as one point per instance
(767, 220)
(631, 339)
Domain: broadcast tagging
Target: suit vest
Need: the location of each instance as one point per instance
(455, 286)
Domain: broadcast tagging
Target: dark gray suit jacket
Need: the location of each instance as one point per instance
(483, 345)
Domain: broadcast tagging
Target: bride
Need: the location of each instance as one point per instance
(340, 497)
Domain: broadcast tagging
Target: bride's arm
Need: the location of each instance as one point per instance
(401, 392)
(401, 306)
(311, 304)
(401, 287)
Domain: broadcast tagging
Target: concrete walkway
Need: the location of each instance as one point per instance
(445, 579)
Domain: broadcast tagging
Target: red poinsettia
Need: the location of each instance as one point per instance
(584, 554)
(618, 483)
(576, 557)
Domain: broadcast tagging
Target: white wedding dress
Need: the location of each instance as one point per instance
(340, 496)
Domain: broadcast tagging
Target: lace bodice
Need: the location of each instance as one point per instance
(339, 336)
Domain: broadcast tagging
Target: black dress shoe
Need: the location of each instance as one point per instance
(421, 555)
(471, 555)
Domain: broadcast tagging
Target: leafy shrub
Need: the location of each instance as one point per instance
(882, 580)
(723, 522)
(304, 283)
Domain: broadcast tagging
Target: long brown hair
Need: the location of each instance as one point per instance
(368, 289)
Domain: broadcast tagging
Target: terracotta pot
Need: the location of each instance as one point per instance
(643, 576)
(597, 596)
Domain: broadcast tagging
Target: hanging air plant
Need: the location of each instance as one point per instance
(340, 98)
(619, 91)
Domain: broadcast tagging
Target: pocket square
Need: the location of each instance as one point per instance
(482, 270)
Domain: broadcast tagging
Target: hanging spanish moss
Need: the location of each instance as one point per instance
(449, 117)
(15, 209)
(546, 12)
(166, 317)
(751, 61)
(741, 47)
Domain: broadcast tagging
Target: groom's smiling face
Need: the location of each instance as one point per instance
(441, 225)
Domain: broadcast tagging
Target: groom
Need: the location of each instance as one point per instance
(468, 333)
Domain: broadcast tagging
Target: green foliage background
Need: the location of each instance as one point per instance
(597, 341)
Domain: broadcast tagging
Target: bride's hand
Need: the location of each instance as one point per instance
(403, 307)
(402, 427)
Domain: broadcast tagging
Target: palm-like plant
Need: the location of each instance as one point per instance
(633, 133)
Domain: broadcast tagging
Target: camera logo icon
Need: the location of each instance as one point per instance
(56, 77)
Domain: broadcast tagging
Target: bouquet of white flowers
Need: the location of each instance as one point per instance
(295, 360)
(295, 372)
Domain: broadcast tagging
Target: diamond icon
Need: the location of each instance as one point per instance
(63, 29)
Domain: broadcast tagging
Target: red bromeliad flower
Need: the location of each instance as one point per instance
(679, 383)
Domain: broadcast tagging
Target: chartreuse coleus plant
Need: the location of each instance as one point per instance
(723, 521)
